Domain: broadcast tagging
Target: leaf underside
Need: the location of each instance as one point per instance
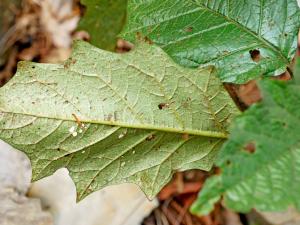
(135, 108)
(242, 38)
(104, 20)
(266, 178)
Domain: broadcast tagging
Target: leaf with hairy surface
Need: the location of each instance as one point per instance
(137, 110)
(242, 38)
(260, 162)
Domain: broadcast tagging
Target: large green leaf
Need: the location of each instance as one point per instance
(224, 33)
(137, 109)
(268, 178)
(104, 19)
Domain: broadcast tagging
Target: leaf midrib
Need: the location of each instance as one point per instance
(205, 133)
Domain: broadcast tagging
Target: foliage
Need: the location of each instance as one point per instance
(260, 162)
(112, 118)
(6, 20)
(104, 20)
(139, 117)
(242, 38)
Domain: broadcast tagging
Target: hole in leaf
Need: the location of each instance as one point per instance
(255, 55)
(188, 29)
(250, 147)
(162, 106)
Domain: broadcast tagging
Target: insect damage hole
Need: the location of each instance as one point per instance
(250, 147)
(164, 105)
(255, 55)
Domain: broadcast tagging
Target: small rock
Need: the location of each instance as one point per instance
(16, 209)
(15, 169)
(122, 204)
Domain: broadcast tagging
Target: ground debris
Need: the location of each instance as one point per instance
(176, 199)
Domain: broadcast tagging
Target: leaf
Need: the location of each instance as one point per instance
(135, 108)
(7, 29)
(224, 33)
(104, 20)
(260, 162)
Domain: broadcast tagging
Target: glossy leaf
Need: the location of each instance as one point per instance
(260, 162)
(242, 38)
(103, 20)
(144, 117)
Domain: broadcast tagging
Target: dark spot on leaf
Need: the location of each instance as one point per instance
(188, 29)
(67, 155)
(108, 117)
(285, 34)
(250, 147)
(115, 116)
(33, 67)
(33, 103)
(187, 102)
(255, 55)
(138, 36)
(148, 40)
(150, 137)
(185, 137)
(228, 162)
(163, 106)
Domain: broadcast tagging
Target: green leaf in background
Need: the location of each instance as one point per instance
(242, 38)
(144, 117)
(103, 20)
(260, 162)
(8, 10)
